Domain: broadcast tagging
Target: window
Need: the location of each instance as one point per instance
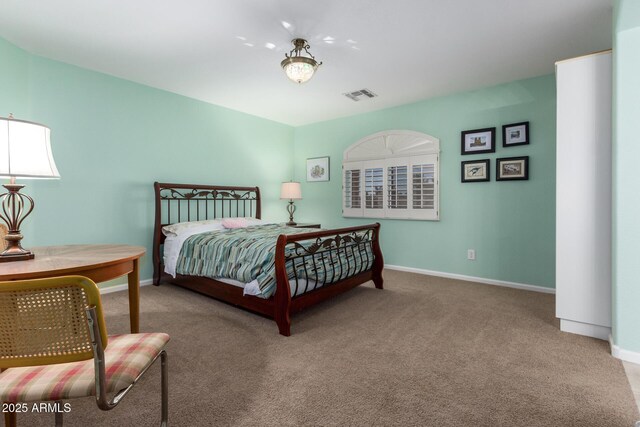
(399, 171)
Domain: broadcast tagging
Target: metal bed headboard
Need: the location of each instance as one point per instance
(188, 202)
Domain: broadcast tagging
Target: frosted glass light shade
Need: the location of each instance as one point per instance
(25, 150)
(291, 191)
(299, 70)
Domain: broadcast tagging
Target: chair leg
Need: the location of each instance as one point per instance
(59, 413)
(165, 388)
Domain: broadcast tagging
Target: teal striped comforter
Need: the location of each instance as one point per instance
(246, 254)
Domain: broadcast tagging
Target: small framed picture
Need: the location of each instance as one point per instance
(475, 171)
(318, 169)
(478, 141)
(512, 168)
(515, 134)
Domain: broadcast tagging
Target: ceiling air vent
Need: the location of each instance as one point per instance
(360, 94)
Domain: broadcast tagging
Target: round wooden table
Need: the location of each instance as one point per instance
(97, 262)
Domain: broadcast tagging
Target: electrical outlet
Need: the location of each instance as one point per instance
(471, 254)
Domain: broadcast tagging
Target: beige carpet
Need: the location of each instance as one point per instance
(425, 351)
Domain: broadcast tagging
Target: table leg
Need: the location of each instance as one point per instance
(134, 297)
(10, 419)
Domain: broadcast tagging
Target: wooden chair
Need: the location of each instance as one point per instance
(54, 346)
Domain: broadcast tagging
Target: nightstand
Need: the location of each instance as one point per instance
(306, 225)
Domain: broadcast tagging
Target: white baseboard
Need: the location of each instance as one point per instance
(473, 279)
(622, 354)
(123, 287)
(586, 329)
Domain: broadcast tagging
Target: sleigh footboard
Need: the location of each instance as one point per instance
(312, 267)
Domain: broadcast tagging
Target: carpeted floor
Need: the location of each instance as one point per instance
(425, 351)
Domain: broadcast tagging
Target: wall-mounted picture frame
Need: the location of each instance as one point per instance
(475, 171)
(318, 169)
(512, 169)
(515, 134)
(478, 141)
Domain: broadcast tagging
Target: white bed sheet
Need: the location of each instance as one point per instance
(252, 288)
(172, 246)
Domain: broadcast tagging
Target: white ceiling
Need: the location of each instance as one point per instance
(403, 50)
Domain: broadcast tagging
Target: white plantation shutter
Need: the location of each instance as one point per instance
(424, 186)
(397, 188)
(389, 182)
(373, 189)
(352, 190)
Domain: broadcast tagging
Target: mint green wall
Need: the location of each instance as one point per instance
(511, 225)
(626, 15)
(626, 194)
(112, 139)
(13, 80)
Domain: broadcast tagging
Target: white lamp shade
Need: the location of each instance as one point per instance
(291, 190)
(25, 150)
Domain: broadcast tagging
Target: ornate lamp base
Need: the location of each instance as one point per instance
(291, 208)
(15, 208)
(7, 257)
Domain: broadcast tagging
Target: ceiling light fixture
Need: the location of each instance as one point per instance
(299, 68)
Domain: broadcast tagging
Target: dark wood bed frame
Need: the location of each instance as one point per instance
(185, 202)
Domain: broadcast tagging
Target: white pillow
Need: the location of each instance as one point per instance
(202, 226)
(206, 225)
(255, 221)
(242, 222)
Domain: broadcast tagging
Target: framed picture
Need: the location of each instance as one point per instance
(512, 168)
(318, 169)
(515, 134)
(478, 141)
(475, 171)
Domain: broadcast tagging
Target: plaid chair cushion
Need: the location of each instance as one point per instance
(126, 356)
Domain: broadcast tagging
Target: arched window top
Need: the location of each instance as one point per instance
(392, 143)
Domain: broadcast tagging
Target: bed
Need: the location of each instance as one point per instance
(308, 266)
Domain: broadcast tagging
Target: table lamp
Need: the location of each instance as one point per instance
(25, 152)
(291, 190)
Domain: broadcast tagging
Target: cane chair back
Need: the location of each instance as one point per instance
(44, 321)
